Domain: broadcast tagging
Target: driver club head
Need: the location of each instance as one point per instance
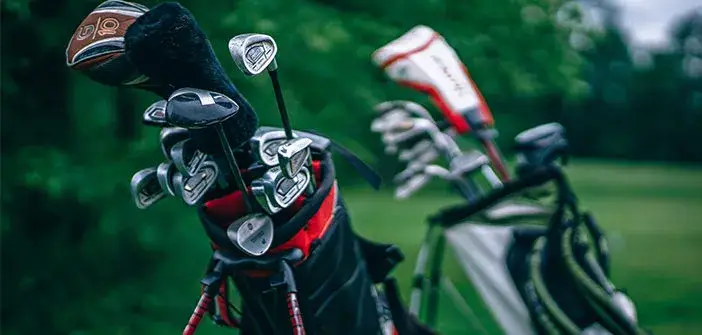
(187, 158)
(252, 233)
(293, 155)
(155, 115)
(264, 146)
(165, 173)
(253, 53)
(193, 189)
(169, 136)
(145, 188)
(275, 192)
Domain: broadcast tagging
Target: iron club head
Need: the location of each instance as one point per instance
(252, 234)
(293, 155)
(165, 172)
(169, 136)
(187, 158)
(274, 191)
(145, 188)
(253, 53)
(193, 189)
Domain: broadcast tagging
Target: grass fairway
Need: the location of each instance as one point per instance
(652, 215)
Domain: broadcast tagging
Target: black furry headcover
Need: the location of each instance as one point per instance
(167, 43)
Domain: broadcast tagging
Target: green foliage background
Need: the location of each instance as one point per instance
(78, 258)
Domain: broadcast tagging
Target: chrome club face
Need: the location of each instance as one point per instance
(193, 189)
(252, 234)
(155, 115)
(293, 155)
(165, 173)
(169, 137)
(275, 192)
(265, 145)
(187, 158)
(145, 188)
(253, 53)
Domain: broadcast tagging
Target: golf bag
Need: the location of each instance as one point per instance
(540, 279)
(335, 270)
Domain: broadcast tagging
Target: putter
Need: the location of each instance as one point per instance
(253, 53)
(169, 136)
(264, 145)
(275, 192)
(212, 110)
(155, 115)
(145, 188)
(165, 173)
(252, 234)
(187, 158)
(193, 189)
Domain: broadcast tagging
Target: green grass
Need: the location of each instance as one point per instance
(652, 214)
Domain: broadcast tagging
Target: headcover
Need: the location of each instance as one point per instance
(421, 59)
(168, 44)
(96, 48)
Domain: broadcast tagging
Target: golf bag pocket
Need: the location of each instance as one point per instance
(333, 280)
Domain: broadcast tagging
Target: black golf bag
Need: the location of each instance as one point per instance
(335, 272)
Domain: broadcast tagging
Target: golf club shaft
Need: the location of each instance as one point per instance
(236, 174)
(281, 103)
(496, 158)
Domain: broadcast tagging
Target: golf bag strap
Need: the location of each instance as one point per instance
(380, 258)
(363, 170)
(457, 214)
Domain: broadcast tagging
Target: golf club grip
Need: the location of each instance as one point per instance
(296, 322)
(456, 214)
(496, 159)
(198, 314)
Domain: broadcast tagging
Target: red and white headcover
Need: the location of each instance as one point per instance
(421, 59)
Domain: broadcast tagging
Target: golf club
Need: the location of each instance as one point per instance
(252, 233)
(200, 110)
(275, 192)
(165, 173)
(169, 136)
(155, 115)
(253, 53)
(187, 158)
(264, 145)
(193, 189)
(293, 155)
(540, 145)
(145, 188)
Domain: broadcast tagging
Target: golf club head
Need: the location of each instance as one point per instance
(145, 188)
(416, 151)
(293, 155)
(193, 189)
(274, 191)
(253, 53)
(388, 121)
(541, 145)
(466, 164)
(169, 136)
(411, 186)
(155, 115)
(437, 171)
(416, 166)
(165, 173)
(252, 234)
(187, 158)
(265, 143)
(411, 108)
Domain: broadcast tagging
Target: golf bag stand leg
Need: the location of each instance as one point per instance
(435, 280)
(418, 277)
